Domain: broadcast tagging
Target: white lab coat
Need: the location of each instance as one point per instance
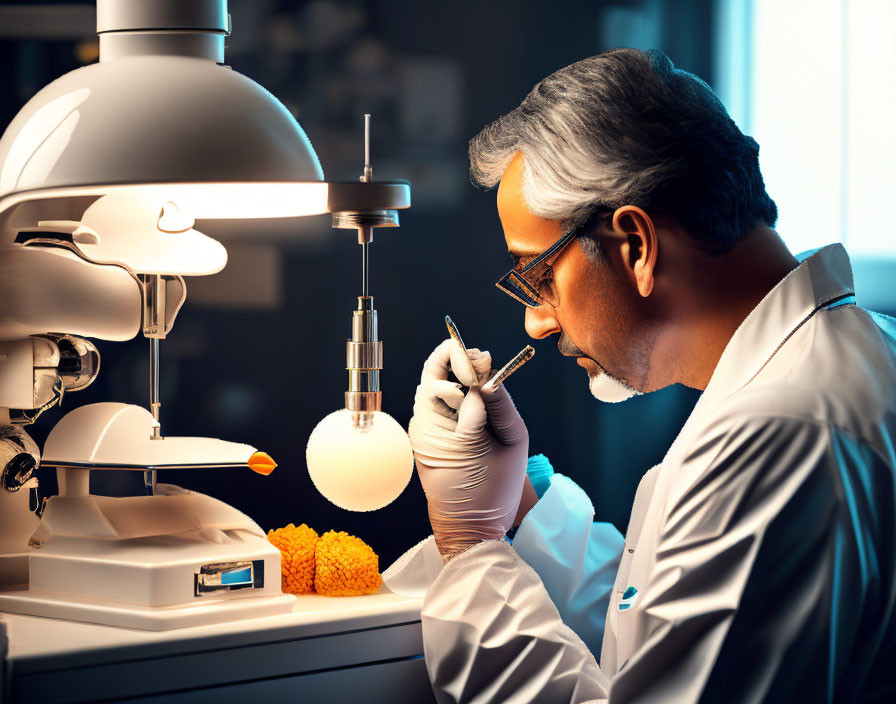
(760, 558)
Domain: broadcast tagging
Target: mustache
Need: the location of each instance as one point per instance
(567, 347)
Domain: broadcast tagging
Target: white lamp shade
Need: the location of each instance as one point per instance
(158, 119)
(161, 113)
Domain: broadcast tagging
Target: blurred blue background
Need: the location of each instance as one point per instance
(257, 354)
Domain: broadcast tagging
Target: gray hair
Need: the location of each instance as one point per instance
(627, 127)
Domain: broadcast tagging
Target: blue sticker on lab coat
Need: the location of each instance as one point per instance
(628, 598)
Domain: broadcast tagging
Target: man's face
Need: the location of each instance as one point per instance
(596, 310)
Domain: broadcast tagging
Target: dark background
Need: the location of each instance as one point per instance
(259, 355)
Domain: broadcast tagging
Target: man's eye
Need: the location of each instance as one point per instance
(545, 278)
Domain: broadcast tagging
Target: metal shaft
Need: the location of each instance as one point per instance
(365, 269)
(367, 176)
(366, 139)
(150, 475)
(154, 403)
(149, 481)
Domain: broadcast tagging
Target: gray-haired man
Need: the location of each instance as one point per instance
(760, 559)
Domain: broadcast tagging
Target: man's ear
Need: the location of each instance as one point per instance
(641, 245)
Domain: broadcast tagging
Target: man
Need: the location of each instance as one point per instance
(758, 564)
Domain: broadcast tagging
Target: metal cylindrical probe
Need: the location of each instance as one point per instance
(364, 361)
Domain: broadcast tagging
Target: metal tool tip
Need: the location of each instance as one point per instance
(523, 356)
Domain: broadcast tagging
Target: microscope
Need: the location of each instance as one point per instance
(172, 557)
(104, 176)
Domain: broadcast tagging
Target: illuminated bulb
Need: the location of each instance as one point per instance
(360, 468)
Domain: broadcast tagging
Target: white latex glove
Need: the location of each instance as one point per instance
(471, 451)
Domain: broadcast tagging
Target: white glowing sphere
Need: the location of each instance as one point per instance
(359, 469)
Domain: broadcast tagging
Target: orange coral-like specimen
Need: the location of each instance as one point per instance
(346, 566)
(297, 557)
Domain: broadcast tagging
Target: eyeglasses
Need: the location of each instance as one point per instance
(533, 285)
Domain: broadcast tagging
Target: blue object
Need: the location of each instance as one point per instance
(628, 598)
(540, 472)
(576, 558)
(243, 576)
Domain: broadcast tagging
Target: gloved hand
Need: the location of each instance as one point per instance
(471, 451)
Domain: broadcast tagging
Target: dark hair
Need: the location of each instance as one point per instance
(626, 127)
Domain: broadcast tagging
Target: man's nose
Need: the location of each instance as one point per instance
(540, 322)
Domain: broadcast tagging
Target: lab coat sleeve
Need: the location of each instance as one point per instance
(738, 593)
(576, 558)
(492, 634)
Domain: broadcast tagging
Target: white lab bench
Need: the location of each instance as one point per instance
(329, 649)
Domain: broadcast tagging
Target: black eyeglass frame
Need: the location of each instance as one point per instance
(514, 282)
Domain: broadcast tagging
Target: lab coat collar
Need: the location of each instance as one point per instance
(823, 277)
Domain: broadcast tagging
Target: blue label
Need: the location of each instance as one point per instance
(239, 577)
(628, 598)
